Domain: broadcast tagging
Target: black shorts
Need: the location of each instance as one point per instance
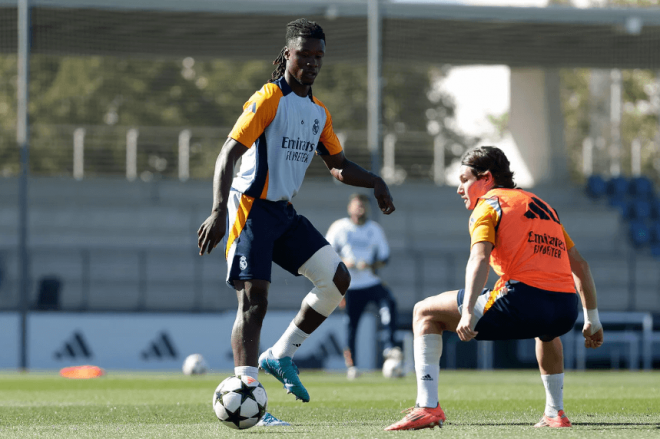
(267, 232)
(521, 311)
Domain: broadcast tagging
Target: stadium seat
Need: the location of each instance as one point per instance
(655, 208)
(49, 293)
(655, 250)
(655, 232)
(596, 186)
(617, 187)
(640, 234)
(640, 209)
(623, 205)
(617, 195)
(641, 188)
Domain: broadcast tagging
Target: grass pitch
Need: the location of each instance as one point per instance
(500, 404)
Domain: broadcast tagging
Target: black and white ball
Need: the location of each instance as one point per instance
(240, 402)
(194, 365)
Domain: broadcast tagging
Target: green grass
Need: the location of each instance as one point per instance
(501, 404)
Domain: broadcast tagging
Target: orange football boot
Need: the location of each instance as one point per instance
(418, 418)
(561, 420)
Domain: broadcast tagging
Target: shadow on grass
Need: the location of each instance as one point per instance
(575, 424)
(489, 424)
(616, 424)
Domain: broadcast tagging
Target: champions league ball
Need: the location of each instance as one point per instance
(194, 365)
(240, 402)
(393, 368)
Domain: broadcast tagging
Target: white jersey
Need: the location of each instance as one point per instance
(359, 243)
(283, 132)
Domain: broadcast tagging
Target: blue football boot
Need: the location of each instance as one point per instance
(271, 421)
(286, 372)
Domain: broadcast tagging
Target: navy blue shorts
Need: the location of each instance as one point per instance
(260, 232)
(522, 311)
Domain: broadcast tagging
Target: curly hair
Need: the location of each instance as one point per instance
(490, 158)
(300, 28)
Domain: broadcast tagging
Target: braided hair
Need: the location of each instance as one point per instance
(490, 158)
(302, 28)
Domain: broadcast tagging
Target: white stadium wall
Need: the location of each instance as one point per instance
(162, 341)
(9, 340)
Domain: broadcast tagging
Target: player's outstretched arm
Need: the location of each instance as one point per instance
(476, 275)
(586, 288)
(352, 174)
(212, 230)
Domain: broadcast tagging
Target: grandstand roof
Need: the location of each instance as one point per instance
(437, 33)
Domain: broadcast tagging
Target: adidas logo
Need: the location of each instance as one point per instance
(296, 344)
(75, 347)
(538, 209)
(160, 348)
(426, 377)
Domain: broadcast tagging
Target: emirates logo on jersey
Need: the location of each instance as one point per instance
(316, 127)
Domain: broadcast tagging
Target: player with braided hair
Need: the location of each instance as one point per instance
(301, 28)
(282, 127)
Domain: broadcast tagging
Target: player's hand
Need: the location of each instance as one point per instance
(211, 232)
(465, 328)
(383, 196)
(361, 265)
(592, 339)
(342, 304)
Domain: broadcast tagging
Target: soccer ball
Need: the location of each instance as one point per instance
(393, 368)
(240, 402)
(194, 365)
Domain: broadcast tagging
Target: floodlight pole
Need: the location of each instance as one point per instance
(22, 139)
(374, 89)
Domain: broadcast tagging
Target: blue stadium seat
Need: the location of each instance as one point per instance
(617, 195)
(641, 188)
(655, 232)
(639, 233)
(655, 250)
(655, 208)
(617, 187)
(596, 186)
(640, 209)
(623, 206)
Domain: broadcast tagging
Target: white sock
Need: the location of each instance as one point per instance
(249, 371)
(554, 393)
(289, 342)
(428, 349)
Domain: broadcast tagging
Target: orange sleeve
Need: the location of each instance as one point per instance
(258, 112)
(328, 143)
(569, 242)
(483, 223)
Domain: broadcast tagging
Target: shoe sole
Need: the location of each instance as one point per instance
(544, 424)
(430, 426)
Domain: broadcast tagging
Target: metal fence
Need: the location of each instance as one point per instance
(150, 152)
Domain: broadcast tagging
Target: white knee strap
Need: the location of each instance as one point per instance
(321, 269)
